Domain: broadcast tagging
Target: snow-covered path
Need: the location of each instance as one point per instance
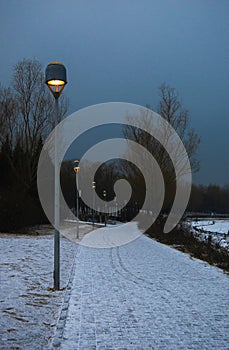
(144, 295)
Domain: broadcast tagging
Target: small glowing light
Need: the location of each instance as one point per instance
(56, 82)
(76, 166)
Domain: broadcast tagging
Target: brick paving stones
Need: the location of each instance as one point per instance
(144, 295)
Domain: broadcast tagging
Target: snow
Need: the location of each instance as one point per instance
(217, 229)
(144, 295)
(215, 226)
(29, 308)
(141, 295)
(111, 236)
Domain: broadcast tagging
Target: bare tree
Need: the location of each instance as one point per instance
(35, 104)
(172, 110)
(8, 116)
(27, 117)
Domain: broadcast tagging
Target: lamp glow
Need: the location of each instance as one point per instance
(76, 166)
(56, 82)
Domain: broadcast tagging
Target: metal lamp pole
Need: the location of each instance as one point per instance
(77, 169)
(55, 78)
(93, 213)
(104, 196)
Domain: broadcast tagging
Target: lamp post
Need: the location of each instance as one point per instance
(77, 169)
(116, 208)
(93, 213)
(55, 78)
(125, 209)
(104, 196)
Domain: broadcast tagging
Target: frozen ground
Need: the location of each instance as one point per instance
(139, 296)
(217, 229)
(217, 226)
(29, 309)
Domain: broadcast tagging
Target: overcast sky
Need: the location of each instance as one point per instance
(122, 50)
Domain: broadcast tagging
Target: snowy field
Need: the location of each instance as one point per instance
(216, 226)
(217, 229)
(29, 308)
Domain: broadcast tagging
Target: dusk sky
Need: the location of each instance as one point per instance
(123, 50)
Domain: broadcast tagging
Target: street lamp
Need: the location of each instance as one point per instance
(116, 208)
(104, 196)
(56, 79)
(93, 213)
(77, 169)
(125, 209)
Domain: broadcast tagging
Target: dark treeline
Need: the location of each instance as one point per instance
(204, 199)
(209, 199)
(26, 118)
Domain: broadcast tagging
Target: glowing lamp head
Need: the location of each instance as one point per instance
(76, 167)
(56, 78)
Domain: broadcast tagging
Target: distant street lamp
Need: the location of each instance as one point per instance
(77, 169)
(125, 209)
(56, 79)
(116, 208)
(93, 213)
(104, 196)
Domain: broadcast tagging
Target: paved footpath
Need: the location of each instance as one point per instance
(144, 295)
